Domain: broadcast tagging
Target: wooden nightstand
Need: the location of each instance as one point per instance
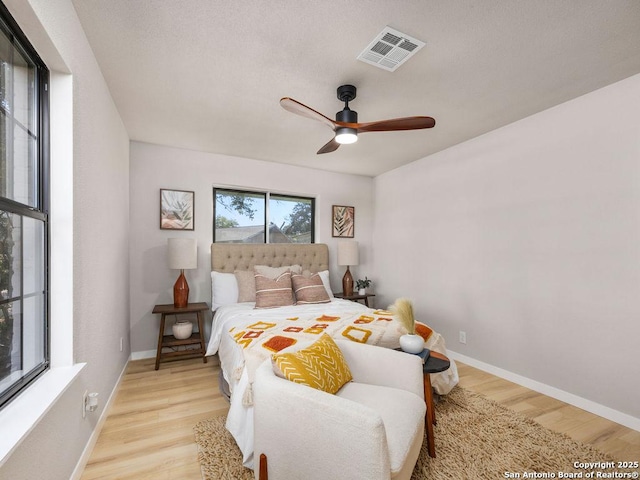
(197, 338)
(354, 297)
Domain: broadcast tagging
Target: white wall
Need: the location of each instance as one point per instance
(100, 305)
(154, 167)
(528, 239)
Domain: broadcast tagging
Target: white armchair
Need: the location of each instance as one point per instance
(371, 429)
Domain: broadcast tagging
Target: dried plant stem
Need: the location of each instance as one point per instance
(403, 311)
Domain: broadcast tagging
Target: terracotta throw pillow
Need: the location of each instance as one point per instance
(309, 289)
(273, 293)
(321, 366)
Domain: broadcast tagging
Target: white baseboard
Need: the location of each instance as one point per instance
(142, 355)
(570, 398)
(86, 453)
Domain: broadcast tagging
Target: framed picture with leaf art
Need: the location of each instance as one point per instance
(176, 209)
(343, 221)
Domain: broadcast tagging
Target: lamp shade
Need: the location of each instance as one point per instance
(348, 253)
(183, 253)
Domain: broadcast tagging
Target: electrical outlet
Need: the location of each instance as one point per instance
(85, 399)
(121, 340)
(463, 337)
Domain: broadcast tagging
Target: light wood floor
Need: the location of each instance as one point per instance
(621, 442)
(148, 432)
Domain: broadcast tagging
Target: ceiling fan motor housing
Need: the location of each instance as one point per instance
(346, 93)
(347, 115)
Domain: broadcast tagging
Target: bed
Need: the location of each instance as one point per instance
(244, 336)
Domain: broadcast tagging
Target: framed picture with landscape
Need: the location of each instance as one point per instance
(176, 209)
(343, 224)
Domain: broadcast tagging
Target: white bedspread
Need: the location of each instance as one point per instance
(232, 356)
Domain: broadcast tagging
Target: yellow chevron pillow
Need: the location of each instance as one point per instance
(321, 366)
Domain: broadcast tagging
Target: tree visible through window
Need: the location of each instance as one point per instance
(241, 217)
(24, 352)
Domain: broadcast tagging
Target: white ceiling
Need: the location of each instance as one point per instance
(208, 74)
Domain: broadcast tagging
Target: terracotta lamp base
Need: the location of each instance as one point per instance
(181, 291)
(347, 283)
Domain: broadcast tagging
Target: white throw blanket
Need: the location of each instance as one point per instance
(260, 339)
(232, 356)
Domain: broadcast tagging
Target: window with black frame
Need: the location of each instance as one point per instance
(242, 216)
(24, 346)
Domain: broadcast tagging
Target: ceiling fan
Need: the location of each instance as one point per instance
(346, 126)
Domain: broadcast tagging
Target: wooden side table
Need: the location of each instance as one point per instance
(355, 297)
(197, 338)
(434, 364)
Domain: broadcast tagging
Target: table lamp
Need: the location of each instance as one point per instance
(183, 254)
(347, 255)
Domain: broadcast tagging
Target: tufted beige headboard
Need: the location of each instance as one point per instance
(228, 257)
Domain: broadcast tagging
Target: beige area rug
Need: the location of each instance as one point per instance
(475, 439)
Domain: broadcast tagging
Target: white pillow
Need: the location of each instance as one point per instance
(224, 289)
(324, 275)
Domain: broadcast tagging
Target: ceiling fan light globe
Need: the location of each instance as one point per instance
(345, 135)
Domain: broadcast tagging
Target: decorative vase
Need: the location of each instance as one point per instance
(181, 292)
(182, 330)
(411, 343)
(362, 291)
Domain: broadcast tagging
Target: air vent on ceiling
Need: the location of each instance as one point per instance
(390, 49)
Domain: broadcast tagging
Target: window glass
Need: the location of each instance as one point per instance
(23, 216)
(291, 219)
(10, 344)
(18, 127)
(34, 256)
(241, 217)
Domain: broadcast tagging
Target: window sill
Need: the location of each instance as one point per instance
(21, 415)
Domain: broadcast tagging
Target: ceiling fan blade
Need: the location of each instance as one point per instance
(395, 124)
(301, 109)
(330, 146)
